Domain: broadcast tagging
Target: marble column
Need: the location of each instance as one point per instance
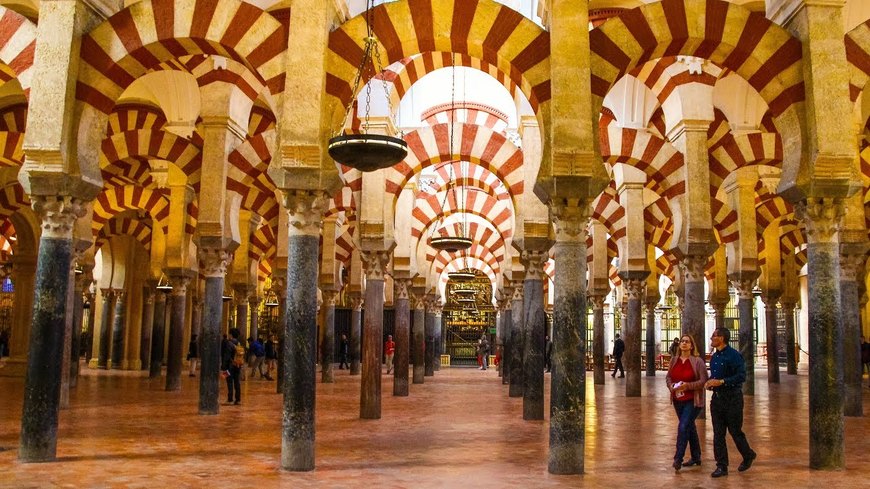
(402, 337)
(327, 363)
(82, 282)
(241, 301)
(719, 313)
(418, 337)
(534, 332)
(650, 306)
(158, 335)
(851, 270)
(746, 332)
(692, 313)
(108, 300)
(66, 353)
(213, 266)
(279, 287)
(356, 303)
(437, 329)
(174, 356)
(304, 211)
(118, 327)
(515, 388)
(568, 360)
(772, 339)
(39, 416)
(635, 285)
(790, 344)
(375, 264)
(429, 332)
(254, 316)
(147, 326)
(598, 338)
(507, 350)
(822, 218)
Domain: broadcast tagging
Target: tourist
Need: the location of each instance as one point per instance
(342, 353)
(389, 351)
(483, 351)
(727, 374)
(232, 363)
(258, 355)
(548, 353)
(618, 350)
(674, 349)
(271, 356)
(193, 354)
(686, 377)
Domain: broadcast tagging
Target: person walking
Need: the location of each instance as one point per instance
(271, 356)
(193, 354)
(618, 350)
(686, 377)
(483, 352)
(233, 360)
(727, 375)
(674, 350)
(342, 353)
(389, 351)
(258, 355)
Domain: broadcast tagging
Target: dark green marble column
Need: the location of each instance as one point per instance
(790, 354)
(508, 342)
(327, 363)
(746, 333)
(119, 330)
(355, 333)
(598, 338)
(634, 285)
(82, 282)
(214, 264)
(518, 341)
(650, 306)
(772, 340)
(375, 263)
(534, 331)
(418, 338)
(108, 301)
(429, 332)
(176, 350)
(158, 335)
(693, 314)
(402, 337)
(852, 268)
(147, 326)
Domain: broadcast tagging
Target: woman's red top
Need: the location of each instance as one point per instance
(683, 372)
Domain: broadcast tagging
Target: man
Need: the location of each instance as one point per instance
(483, 352)
(548, 353)
(342, 353)
(727, 374)
(675, 348)
(258, 355)
(389, 351)
(618, 350)
(193, 354)
(232, 362)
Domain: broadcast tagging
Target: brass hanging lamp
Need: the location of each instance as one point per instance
(367, 152)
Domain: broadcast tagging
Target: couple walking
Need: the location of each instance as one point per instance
(687, 380)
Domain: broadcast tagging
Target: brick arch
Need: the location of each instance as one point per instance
(13, 118)
(443, 261)
(114, 200)
(478, 178)
(246, 175)
(480, 29)
(124, 156)
(724, 220)
(132, 117)
(11, 151)
(607, 210)
(427, 211)
(264, 244)
(735, 151)
(139, 230)
(647, 152)
(12, 199)
(17, 48)
(858, 55)
(769, 208)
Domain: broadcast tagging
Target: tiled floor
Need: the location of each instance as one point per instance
(459, 429)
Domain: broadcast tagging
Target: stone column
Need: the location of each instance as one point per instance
(852, 268)
(429, 331)
(241, 300)
(39, 416)
(568, 372)
(822, 218)
(418, 336)
(23, 276)
(356, 303)
(507, 320)
(304, 210)
(66, 352)
(213, 266)
(92, 313)
(327, 364)
(279, 287)
(174, 357)
(746, 332)
(158, 334)
(719, 312)
(402, 337)
(118, 327)
(108, 296)
(791, 360)
(82, 282)
(375, 263)
(598, 337)
(635, 285)
(534, 332)
(772, 340)
(437, 328)
(693, 314)
(147, 326)
(517, 341)
(650, 305)
(254, 316)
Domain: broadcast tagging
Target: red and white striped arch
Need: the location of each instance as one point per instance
(858, 55)
(467, 113)
(13, 118)
(17, 48)
(137, 229)
(441, 269)
(665, 74)
(734, 151)
(658, 158)
(124, 156)
(247, 177)
(477, 178)
(428, 210)
(12, 198)
(724, 220)
(132, 117)
(607, 210)
(114, 200)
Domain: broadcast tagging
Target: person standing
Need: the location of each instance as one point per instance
(482, 352)
(618, 350)
(674, 350)
(271, 356)
(342, 353)
(548, 353)
(193, 354)
(258, 354)
(686, 377)
(865, 356)
(389, 351)
(727, 375)
(233, 360)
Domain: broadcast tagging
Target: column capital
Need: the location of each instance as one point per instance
(852, 266)
(744, 283)
(357, 302)
(517, 294)
(58, 214)
(634, 288)
(821, 218)
(418, 301)
(569, 220)
(375, 263)
(278, 287)
(597, 300)
(770, 298)
(329, 297)
(693, 267)
(213, 262)
(105, 292)
(788, 306)
(254, 300)
(534, 262)
(179, 285)
(120, 294)
(401, 287)
(305, 211)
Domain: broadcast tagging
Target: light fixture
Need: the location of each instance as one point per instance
(226, 297)
(461, 276)
(78, 269)
(460, 291)
(271, 300)
(163, 284)
(367, 152)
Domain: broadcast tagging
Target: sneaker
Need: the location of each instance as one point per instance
(747, 462)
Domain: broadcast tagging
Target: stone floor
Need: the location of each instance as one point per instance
(458, 430)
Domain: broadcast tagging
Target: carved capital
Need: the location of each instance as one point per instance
(569, 220)
(418, 301)
(329, 297)
(213, 262)
(120, 295)
(179, 285)
(744, 286)
(852, 267)
(305, 211)
(254, 300)
(279, 288)
(693, 267)
(719, 306)
(375, 263)
(401, 287)
(105, 293)
(597, 301)
(534, 262)
(58, 214)
(357, 302)
(821, 218)
(770, 298)
(517, 294)
(148, 296)
(634, 288)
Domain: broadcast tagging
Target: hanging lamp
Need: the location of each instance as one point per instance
(367, 152)
(464, 274)
(163, 284)
(461, 242)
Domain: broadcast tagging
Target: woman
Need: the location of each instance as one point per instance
(686, 377)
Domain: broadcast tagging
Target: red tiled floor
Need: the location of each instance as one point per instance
(458, 430)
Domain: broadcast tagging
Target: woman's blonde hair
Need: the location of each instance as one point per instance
(694, 352)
